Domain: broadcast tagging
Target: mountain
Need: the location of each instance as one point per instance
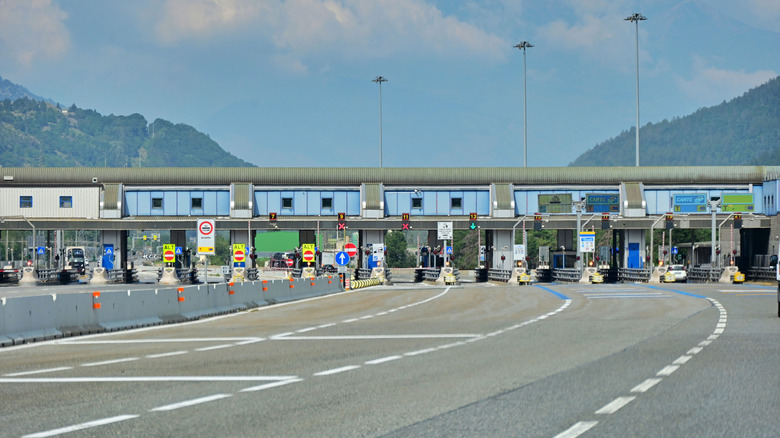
(35, 133)
(11, 91)
(742, 131)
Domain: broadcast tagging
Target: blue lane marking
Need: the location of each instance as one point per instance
(677, 292)
(559, 295)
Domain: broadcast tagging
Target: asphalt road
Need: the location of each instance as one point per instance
(409, 360)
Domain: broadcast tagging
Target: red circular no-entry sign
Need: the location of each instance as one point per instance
(169, 256)
(308, 256)
(239, 255)
(289, 263)
(351, 249)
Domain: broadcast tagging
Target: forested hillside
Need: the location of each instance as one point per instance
(36, 133)
(743, 131)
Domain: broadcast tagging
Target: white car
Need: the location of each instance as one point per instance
(680, 275)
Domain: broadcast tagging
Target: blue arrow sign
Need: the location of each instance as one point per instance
(342, 258)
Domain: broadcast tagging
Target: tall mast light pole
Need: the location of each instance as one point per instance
(522, 46)
(636, 18)
(379, 80)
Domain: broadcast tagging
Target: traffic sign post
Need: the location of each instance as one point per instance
(206, 231)
(350, 249)
(308, 252)
(239, 255)
(342, 258)
(169, 253)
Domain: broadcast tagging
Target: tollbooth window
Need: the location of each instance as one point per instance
(66, 201)
(25, 201)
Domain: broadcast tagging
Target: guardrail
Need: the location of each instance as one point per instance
(499, 275)
(634, 274)
(764, 273)
(61, 276)
(480, 275)
(566, 274)
(704, 274)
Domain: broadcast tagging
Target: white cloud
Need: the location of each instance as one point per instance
(345, 28)
(32, 30)
(710, 85)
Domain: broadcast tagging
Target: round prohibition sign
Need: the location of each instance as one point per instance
(206, 228)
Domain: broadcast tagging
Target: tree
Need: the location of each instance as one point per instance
(397, 255)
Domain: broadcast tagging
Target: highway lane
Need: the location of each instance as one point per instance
(410, 360)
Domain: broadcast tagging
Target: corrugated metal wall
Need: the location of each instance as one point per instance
(46, 202)
(388, 176)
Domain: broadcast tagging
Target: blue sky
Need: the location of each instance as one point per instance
(289, 83)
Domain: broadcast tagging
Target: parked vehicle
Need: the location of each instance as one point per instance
(679, 272)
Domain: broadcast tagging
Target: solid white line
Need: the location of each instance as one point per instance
(109, 362)
(172, 353)
(215, 347)
(577, 430)
(81, 426)
(337, 370)
(270, 385)
(195, 401)
(281, 335)
(143, 379)
(614, 405)
(250, 341)
(667, 370)
(382, 360)
(154, 340)
(646, 385)
(369, 337)
(27, 373)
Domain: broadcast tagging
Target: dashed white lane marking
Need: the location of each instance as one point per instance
(168, 354)
(647, 384)
(577, 429)
(382, 360)
(583, 426)
(667, 370)
(271, 385)
(109, 362)
(371, 337)
(27, 373)
(337, 370)
(81, 426)
(193, 402)
(215, 347)
(615, 405)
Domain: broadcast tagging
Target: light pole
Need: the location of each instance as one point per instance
(522, 46)
(636, 18)
(379, 80)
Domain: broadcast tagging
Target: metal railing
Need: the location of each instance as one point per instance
(566, 274)
(634, 274)
(704, 274)
(764, 273)
(499, 275)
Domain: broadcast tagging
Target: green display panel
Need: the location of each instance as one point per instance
(555, 203)
(737, 202)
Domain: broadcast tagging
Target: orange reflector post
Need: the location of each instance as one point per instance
(292, 286)
(181, 289)
(181, 299)
(231, 292)
(230, 284)
(95, 298)
(265, 289)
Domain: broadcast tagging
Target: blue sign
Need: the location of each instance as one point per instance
(602, 203)
(674, 250)
(41, 250)
(177, 251)
(689, 203)
(342, 258)
(109, 250)
(449, 250)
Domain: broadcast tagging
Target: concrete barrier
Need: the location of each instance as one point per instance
(36, 318)
(28, 276)
(169, 276)
(98, 276)
(587, 273)
(657, 274)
